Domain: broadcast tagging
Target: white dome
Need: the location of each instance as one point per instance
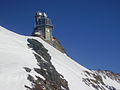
(39, 13)
(45, 14)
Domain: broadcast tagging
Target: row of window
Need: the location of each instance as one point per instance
(43, 22)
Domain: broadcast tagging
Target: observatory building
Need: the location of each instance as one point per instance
(43, 26)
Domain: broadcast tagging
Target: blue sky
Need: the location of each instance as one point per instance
(88, 29)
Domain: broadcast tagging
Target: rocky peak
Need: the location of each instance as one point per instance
(110, 74)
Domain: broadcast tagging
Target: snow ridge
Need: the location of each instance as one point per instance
(18, 62)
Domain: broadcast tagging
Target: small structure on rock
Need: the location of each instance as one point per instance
(43, 26)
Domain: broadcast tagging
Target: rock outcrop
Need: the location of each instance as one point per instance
(52, 80)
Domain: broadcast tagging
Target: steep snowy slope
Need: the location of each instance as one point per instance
(20, 64)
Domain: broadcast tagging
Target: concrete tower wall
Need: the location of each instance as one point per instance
(48, 33)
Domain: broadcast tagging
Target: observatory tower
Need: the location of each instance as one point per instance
(43, 26)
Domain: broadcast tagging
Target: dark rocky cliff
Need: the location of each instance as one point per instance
(52, 79)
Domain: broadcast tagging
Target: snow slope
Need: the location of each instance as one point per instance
(15, 55)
